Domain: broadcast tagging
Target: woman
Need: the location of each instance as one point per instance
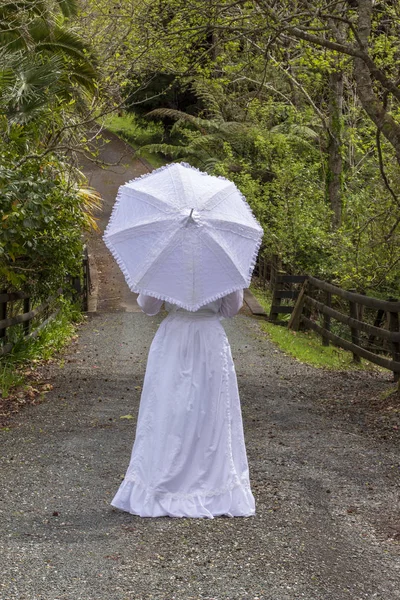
(189, 457)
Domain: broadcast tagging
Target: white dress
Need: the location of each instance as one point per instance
(189, 457)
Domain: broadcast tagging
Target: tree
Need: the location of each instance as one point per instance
(47, 84)
(281, 68)
(362, 20)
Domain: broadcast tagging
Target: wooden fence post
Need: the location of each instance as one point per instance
(377, 323)
(327, 319)
(306, 309)
(295, 317)
(355, 338)
(27, 308)
(3, 316)
(394, 326)
(86, 280)
(276, 301)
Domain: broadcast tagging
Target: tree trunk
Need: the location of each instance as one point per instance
(335, 162)
(365, 91)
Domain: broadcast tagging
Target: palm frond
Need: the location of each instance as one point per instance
(62, 40)
(86, 75)
(6, 69)
(23, 112)
(36, 74)
(69, 8)
(12, 41)
(25, 82)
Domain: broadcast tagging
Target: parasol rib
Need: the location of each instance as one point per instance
(245, 231)
(161, 225)
(142, 196)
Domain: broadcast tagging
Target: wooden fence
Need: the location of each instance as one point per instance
(353, 322)
(28, 313)
(282, 285)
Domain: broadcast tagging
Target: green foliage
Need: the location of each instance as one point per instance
(306, 346)
(47, 79)
(135, 129)
(50, 341)
(41, 226)
(42, 57)
(274, 158)
(263, 118)
(276, 165)
(9, 379)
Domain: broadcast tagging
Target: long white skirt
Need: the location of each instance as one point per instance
(189, 457)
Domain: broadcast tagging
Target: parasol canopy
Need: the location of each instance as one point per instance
(183, 236)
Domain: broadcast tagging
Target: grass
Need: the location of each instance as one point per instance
(263, 296)
(138, 133)
(9, 379)
(306, 346)
(26, 354)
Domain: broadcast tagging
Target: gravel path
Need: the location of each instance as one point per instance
(327, 492)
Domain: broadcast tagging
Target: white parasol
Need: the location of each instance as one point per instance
(183, 236)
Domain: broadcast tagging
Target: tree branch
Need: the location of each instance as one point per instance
(342, 48)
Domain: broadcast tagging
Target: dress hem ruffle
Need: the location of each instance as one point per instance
(137, 500)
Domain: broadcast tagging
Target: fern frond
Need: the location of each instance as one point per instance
(210, 164)
(225, 128)
(208, 96)
(178, 115)
(230, 128)
(294, 129)
(166, 149)
(207, 143)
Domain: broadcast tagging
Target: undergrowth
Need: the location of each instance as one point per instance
(30, 352)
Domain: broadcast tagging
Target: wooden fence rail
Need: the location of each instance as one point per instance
(271, 275)
(352, 320)
(280, 292)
